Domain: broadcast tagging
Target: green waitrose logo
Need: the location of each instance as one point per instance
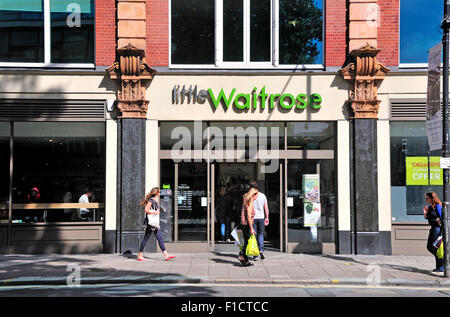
(243, 101)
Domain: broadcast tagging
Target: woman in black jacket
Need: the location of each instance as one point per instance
(433, 212)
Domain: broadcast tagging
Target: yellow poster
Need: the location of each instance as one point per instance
(417, 170)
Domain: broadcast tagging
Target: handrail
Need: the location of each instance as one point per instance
(32, 206)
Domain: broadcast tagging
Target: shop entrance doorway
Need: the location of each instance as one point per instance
(203, 177)
(203, 202)
(230, 181)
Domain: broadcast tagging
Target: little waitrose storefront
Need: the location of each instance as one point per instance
(214, 135)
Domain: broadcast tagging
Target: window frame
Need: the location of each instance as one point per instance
(419, 65)
(402, 217)
(47, 48)
(247, 64)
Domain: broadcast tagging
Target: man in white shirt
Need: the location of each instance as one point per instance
(84, 199)
(261, 219)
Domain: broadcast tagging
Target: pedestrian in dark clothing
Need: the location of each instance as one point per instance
(433, 212)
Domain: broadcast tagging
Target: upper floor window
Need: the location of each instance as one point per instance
(420, 30)
(246, 33)
(44, 33)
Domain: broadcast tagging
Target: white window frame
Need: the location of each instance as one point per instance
(246, 64)
(47, 49)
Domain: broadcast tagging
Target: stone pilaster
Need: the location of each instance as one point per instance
(364, 74)
(133, 75)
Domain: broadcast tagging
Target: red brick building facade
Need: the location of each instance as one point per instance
(336, 27)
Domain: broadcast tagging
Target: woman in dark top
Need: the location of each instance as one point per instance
(433, 212)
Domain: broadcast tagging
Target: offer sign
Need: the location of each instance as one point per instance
(417, 170)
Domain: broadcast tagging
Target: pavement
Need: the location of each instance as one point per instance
(277, 268)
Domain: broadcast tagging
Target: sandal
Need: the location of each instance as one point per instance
(141, 259)
(170, 257)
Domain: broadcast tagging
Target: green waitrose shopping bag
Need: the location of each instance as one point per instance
(252, 247)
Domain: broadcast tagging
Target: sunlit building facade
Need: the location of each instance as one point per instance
(321, 103)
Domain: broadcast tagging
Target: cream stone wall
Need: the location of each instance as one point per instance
(343, 175)
(111, 176)
(152, 172)
(405, 85)
(65, 85)
(332, 88)
(48, 85)
(384, 176)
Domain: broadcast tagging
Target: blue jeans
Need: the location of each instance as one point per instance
(258, 226)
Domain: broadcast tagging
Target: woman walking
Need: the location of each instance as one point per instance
(152, 208)
(433, 212)
(246, 223)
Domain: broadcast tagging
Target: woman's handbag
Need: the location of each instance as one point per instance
(152, 219)
(252, 247)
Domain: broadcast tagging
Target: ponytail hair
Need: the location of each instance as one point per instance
(151, 194)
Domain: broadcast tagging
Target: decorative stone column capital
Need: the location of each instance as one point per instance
(133, 73)
(364, 74)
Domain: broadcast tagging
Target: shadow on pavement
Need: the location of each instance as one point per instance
(387, 266)
(47, 277)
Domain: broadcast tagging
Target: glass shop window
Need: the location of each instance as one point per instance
(59, 172)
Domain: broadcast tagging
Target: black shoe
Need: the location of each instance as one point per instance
(261, 256)
(247, 264)
(242, 260)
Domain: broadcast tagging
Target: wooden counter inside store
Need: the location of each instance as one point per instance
(51, 237)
